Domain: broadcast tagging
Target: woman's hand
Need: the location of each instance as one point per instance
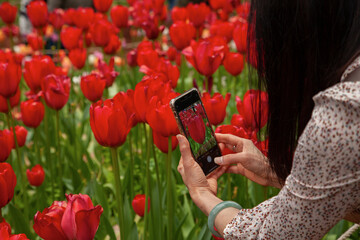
(248, 160)
(192, 174)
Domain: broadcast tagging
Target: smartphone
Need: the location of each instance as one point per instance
(193, 123)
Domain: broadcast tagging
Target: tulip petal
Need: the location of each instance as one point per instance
(87, 222)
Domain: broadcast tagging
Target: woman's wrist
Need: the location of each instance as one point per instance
(204, 199)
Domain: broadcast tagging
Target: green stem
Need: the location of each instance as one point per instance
(147, 183)
(182, 67)
(170, 207)
(19, 162)
(47, 150)
(206, 84)
(132, 194)
(36, 145)
(59, 160)
(229, 187)
(119, 200)
(158, 183)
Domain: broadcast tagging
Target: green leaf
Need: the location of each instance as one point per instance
(18, 222)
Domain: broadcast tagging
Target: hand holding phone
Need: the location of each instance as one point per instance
(194, 125)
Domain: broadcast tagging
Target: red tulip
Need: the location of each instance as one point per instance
(129, 106)
(8, 13)
(120, 16)
(35, 71)
(56, 90)
(165, 67)
(249, 108)
(181, 33)
(14, 100)
(38, 13)
(240, 36)
(151, 28)
(6, 56)
(243, 10)
(81, 219)
(217, 4)
(205, 56)
(78, 57)
(36, 175)
(234, 130)
(160, 117)
(93, 86)
(138, 204)
(70, 37)
(215, 107)
(5, 145)
(102, 5)
(105, 117)
(154, 85)
(131, 57)
(5, 233)
(113, 45)
(21, 134)
(10, 76)
(69, 15)
(179, 14)
(35, 41)
(171, 53)
(47, 224)
(6, 226)
(57, 18)
(198, 13)
(108, 72)
(7, 183)
(84, 17)
(101, 32)
(146, 55)
(162, 143)
(234, 63)
(222, 29)
(32, 113)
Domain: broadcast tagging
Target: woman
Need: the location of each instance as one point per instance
(307, 54)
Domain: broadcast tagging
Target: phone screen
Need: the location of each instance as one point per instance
(197, 129)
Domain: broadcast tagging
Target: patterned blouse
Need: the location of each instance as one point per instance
(324, 184)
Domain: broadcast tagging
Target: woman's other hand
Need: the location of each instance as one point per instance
(247, 160)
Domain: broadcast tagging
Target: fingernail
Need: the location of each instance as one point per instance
(218, 160)
(178, 137)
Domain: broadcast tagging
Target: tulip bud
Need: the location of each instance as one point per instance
(84, 17)
(92, 86)
(131, 58)
(70, 37)
(38, 13)
(138, 204)
(78, 57)
(56, 90)
(198, 13)
(35, 41)
(21, 134)
(36, 175)
(234, 63)
(32, 113)
(162, 143)
(119, 16)
(81, 219)
(181, 33)
(10, 76)
(56, 18)
(8, 13)
(102, 5)
(7, 183)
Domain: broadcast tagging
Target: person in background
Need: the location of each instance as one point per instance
(307, 54)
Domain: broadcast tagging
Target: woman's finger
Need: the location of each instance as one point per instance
(184, 147)
(231, 158)
(232, 142)
(218, 172)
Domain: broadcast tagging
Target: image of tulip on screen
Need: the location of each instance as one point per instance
(197, 129)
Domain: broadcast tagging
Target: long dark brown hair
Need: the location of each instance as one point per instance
(302, 47)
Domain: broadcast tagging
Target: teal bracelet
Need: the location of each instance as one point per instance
(214, 212)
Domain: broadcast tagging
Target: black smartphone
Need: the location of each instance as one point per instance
(193, 123)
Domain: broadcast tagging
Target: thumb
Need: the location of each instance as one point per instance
(185, 150)
(229, 159)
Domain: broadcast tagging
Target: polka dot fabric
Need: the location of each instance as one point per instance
(324, 184)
